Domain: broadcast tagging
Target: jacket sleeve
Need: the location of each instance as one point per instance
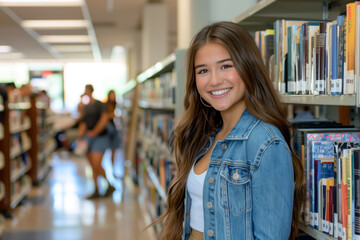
(272, 188)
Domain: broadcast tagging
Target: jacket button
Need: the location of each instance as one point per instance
(224, 146)
(211, 180)
(209, 205)
(210, 233)
(236, 176)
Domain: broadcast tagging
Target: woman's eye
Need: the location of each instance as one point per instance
(226, 66)
(202, 71)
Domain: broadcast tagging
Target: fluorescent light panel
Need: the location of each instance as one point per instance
(40, 3)
(11, 55)
(51, 24)
(5, 49)
(72, 48)
(65, 38)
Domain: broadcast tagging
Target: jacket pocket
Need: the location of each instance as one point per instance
(234, 188)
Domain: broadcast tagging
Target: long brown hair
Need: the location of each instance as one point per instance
(192, 130)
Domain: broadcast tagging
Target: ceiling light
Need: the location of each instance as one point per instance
(65, 38)
(5, 49)
(51, 24)
(12, 55)
(40, 3)
(72, 48)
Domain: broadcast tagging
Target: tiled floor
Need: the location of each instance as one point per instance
(58, 210)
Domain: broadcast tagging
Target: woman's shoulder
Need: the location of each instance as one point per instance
(265, 133)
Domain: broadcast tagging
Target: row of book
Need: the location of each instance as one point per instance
(20, 165)
(18, 186)
(158, 125)
(18, 121)
(153, 202)
(332, 165)
(20, 143)
(160, 90)
(314, 57)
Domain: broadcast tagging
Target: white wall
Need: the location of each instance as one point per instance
(226, 10)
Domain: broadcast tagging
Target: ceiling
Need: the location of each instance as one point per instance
(113, 22)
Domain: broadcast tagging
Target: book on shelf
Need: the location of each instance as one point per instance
(357, 47)
(316, 56)
(349, 83)
(331, 179)
(356, 162)
(320, 60)
(301, 143)
(280, 50)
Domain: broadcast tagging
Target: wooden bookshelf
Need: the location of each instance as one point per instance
(15, 144)
(42, 137)
(2, 225)
(26, 148)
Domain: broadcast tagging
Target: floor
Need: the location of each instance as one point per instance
(58, 209)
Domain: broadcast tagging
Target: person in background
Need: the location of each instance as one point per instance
(111, 128)
(233, 143)
(92, 129)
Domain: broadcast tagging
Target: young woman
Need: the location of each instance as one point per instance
(111, 128)
(237, 176)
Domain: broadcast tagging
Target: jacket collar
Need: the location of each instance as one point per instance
(243, 127)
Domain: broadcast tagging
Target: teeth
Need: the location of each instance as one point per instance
(220, 92)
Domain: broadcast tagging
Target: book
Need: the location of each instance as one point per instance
(291, 57)
(357, 46)
(328, 57)
(335, 82)
(301, 142)
(309, 30)
(280, 50)
(269, 45)
(344, 178)
(356, 161)
(320, 60)
(350, 48)
(340, 52)
(322, 154)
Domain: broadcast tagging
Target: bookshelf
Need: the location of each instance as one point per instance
(265, 12)
(2, 163)
(42, 137)
(15, 147)
(314, 233)
(159, 100)
(337, 100)
(262, 16)
(25, 148)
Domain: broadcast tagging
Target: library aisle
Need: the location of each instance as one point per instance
(57, 209)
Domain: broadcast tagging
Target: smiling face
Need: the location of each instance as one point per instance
(217, 79)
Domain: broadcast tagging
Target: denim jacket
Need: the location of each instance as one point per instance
(249, 184)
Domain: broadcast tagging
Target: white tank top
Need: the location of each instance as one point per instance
(194, 184)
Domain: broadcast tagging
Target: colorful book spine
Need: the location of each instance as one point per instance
(356, 161)
(335, 82)
(322, 154)
(340, 52)
(357, 47)
(350, 48)
(320, 60)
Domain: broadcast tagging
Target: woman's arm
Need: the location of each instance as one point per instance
(100, 125)
(272, 188)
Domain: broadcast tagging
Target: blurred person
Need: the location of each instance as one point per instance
(92, 129)
(111, 128)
